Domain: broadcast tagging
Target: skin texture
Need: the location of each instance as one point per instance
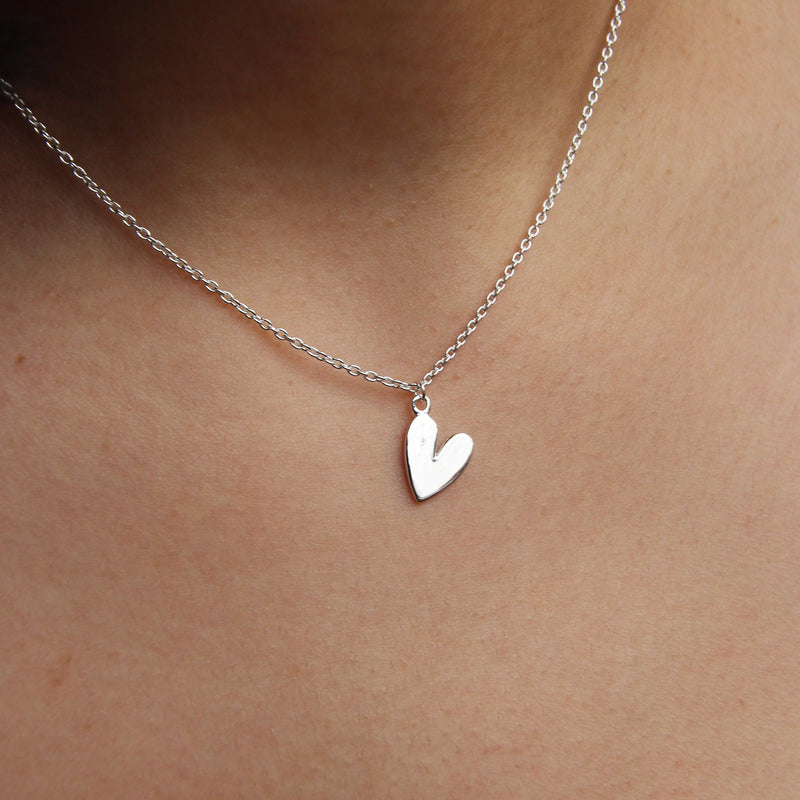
(213, 580)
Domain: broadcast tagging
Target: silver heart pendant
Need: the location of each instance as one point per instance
(428, 471)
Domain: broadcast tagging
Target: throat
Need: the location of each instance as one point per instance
(389, 88)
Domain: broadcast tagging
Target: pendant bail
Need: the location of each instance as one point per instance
(418, 398)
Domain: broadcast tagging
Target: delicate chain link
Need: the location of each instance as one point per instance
(415, 387)
(547, 205)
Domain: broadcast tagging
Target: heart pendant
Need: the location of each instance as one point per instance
(428, 471)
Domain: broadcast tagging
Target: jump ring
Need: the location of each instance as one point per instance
(418, 397)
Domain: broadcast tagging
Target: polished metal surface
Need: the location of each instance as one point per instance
(428, 471)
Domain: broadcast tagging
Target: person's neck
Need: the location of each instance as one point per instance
(393, 133)
(331, 85)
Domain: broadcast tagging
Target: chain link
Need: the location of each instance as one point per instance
(417, 388)
(547, 205)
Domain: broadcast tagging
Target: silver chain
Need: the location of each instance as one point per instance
(415, 387)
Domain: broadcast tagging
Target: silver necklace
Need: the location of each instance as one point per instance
(429, 470)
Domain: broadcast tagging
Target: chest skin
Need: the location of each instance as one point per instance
(215, 582)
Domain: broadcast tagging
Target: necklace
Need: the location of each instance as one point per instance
(429, 470)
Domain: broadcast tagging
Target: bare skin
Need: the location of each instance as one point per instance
(213, 580)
